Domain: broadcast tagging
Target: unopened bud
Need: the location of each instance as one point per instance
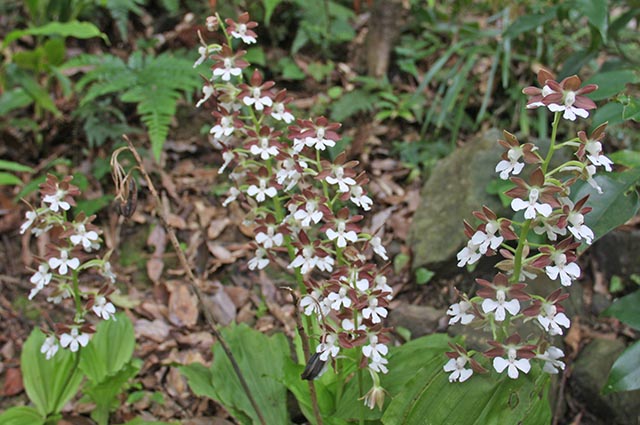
(212, 23)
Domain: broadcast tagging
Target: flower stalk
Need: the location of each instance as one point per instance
(544, 197)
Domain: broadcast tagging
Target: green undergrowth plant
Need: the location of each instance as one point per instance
(154, 83)
(303, 203)
(7, 170)
(75, 354)
(32, 77)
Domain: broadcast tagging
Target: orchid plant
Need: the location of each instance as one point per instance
(301, 204)
(543, 198)
(71, 247)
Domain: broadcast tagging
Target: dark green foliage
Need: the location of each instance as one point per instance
(154, 83)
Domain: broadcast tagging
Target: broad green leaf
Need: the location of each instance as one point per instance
(105, 392)
(597, 14)
(325, 393)
(625, 372)
(626, 309)
(32, 88)
(110, 349)
(21, 416)
(14, 166)
(611, 113)
(269, 6)
(423, 275)
(50, 384)
(92, 206)
(255, 56)
(261, 359)
(14, 99)
(424, 395)
(74, 29)
(528, 23)
(7, 179)
(614, 206)
(626, 157)
(611, 83)
(631, 109)
(351, 103)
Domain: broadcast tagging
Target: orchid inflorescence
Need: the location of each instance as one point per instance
(299, 202)
(548, 211)
(71, 244)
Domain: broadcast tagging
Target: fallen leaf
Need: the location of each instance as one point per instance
(158, 330)
(574, 336)
(183, 307)
(158, 240)
(154, 269)
(222, 307)
(220, 252)
(12, 382)
(176, 384)
(203, 339)
(176, 221)
(216, 227)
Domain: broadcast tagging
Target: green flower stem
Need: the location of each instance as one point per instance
(566, 164)
(552, 146)
(360, 390)
(76, 296)
(517, 258)
(224, 30)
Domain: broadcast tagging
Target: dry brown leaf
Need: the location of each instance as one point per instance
(176, 221)
(203, 339)
(380, 218)
(169, 186)
(216, 227)
(220, 252)
(574, 336)
(158, 240)
(183, 307)
(238, 295)
(158, 330)
(154, 269)
(400, 225)
(12, 382)
(222, 307)
(177, 386)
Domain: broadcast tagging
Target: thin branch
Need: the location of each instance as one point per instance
(193, 281)
(307, 355)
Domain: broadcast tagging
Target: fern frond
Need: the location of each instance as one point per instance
(156, 84)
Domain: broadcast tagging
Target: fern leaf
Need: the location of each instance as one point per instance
(155, 84)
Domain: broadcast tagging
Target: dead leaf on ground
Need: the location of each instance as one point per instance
(183, 306)
(158, 330)
(194, 339)
(12, 382)
(574, 336)
(176, 222)
(154, 269)
(216, 227)
(222, 254)
(222, 307)
(176, 385)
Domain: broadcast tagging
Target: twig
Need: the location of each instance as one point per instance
(193, 281)
(307, 355)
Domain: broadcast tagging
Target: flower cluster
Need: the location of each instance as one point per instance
(301, 204)
(543, 199)
(69, 249)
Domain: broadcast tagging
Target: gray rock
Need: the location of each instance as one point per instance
(419, 319)
(618, 253)
(456, 188)
(589, 375)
